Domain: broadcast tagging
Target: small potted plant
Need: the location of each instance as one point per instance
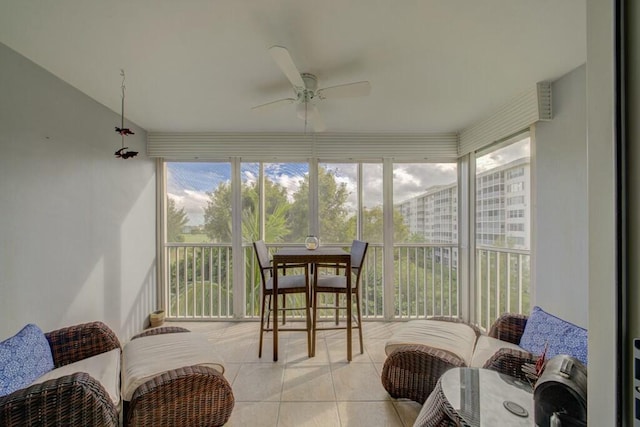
(156, 318)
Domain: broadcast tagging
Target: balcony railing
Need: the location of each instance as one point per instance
(502, 283)
(199, 282)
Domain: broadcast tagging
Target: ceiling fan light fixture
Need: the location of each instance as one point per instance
(303, 109)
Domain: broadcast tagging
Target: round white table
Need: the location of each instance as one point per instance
(479, 398)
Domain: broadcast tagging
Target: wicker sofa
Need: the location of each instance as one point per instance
(422, 350)
(412, 370)
(73, 399)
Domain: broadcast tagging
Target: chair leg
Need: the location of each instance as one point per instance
(284, 311)
(261, 325)
(359, 321)
(269, 312)
(314, 323)
(337, 301)
(308, 309)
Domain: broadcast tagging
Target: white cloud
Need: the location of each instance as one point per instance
(193, 202)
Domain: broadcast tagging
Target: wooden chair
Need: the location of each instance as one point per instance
(336, 284)
(287, 285)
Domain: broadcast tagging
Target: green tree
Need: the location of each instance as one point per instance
(373, 225)
(276, 208)
(176, 220)
(333, 214)
(217, 214)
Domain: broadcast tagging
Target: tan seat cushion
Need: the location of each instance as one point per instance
(456, 338)
(147, 357)
(486, 347)
(104, 367)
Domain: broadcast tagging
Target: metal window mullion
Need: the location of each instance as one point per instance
(416, 287)
(450, 251)
(193, 281)
(508, 308)
(237, 280)
(441, 284)
(408, 275)
(169, 282)
(220, 301)
(425, 283)
(433, 281)
(388, 243)
(478, 287)
(488, 312)
(211, 282)
(520, 283)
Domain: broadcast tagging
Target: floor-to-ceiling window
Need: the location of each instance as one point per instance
(502, 229)
(197, 254)
(425, 236)
(282, 203)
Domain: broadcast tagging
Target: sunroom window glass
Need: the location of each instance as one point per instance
(190, 186)
(425, 239)
(286, 202)
(337, 202)
(250, 195)
(503, 229)
(372, 217)
(197, 239)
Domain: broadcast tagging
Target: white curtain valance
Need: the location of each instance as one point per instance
(519, 114)
(296, 146)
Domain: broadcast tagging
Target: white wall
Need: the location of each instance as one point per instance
(77, 225)
(602, 387)
(561, 234)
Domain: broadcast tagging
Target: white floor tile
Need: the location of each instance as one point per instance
(357, 382)
(365, 414)
(255, 414)
(308, 383)
(308, 414)
(258, 382)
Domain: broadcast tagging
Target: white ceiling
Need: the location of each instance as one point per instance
(200, 65)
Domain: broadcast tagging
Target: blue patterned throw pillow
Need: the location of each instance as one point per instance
(563, 337)
(23, 358)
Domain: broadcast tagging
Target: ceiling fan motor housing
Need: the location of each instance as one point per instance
(307, 93)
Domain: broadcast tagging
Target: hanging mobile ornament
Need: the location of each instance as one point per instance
(123, 131)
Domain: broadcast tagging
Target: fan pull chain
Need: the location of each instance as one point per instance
(305, 117)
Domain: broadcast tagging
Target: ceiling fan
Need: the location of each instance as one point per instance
(305, 87)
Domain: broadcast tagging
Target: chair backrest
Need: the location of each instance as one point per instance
(358, 251)
(262, 254)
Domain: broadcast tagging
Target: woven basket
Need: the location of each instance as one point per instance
(156, 318)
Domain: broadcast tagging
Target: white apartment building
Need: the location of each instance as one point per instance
(503, 218)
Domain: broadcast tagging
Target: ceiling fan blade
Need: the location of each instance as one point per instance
(348, 90)
(317, 122)
(284, 61)
(274, 104)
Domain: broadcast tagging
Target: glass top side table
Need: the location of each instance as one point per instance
(482, 397)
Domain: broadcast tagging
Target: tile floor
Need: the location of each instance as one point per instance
(299, 391)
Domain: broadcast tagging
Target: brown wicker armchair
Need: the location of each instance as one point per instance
(412, 371)
(72, 400)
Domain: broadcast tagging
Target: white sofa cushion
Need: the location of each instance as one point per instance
(486, 347)
(456, 338)
(147, 357)
(104, 367)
